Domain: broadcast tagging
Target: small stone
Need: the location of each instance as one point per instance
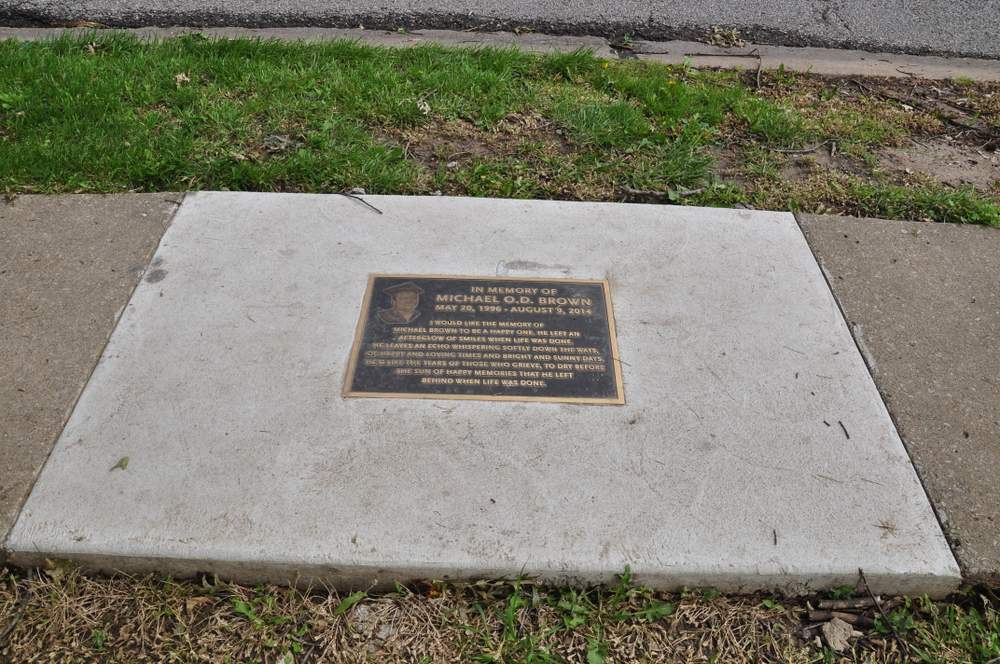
(361, 616)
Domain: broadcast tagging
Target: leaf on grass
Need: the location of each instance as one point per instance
(244, 609)
(181, 79)
(8, 100)
(842, 592)
(350, 601)
(655, 611)
(247, 611)
(121, 465)
(595, 653)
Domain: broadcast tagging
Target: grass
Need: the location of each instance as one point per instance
(111, 113)
(60, 615)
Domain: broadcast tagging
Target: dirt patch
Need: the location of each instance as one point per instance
(951, 162)
(728, 164)
(525, 156)
(800, 167)
(452, 143)
(968, 113)
(445, 142)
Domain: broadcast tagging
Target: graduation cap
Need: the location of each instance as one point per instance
(401, 312)
(407, 287)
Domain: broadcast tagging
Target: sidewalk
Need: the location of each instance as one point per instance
(751, 452)
(67, 267)
(119, 238)
(921, 300)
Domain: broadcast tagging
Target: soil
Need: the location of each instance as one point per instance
(802, 166)
(453, 143)
(950, 162)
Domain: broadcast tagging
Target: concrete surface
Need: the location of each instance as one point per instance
(754, 451)
(829, 61)
(529, 41)
(955, 27)
(67, 267)
(924, 300)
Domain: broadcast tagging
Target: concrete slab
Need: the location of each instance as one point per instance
(728, 466)
(826, 61)
(924, 300)
(67, 267)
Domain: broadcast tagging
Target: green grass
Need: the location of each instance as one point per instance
(920, 201)
(950, 632)
(110, 113)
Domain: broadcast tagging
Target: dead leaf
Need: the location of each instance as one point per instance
(57, 568)
(837, 634)
(192, 603)
(181, 79)
(424, 107)
(121, 465)
(278, 143)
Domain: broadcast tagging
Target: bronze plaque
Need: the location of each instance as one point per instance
(510, 338)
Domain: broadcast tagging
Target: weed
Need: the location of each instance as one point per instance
(350, 601)
(841, 592)
(98, 638)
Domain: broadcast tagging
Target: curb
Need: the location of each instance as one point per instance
(825, 61)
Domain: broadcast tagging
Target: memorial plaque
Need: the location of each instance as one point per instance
(509, 338)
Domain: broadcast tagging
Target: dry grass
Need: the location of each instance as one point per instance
(63, 616)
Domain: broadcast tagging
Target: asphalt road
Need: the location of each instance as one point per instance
(955, 27)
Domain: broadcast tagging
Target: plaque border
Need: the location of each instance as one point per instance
(617, 400)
